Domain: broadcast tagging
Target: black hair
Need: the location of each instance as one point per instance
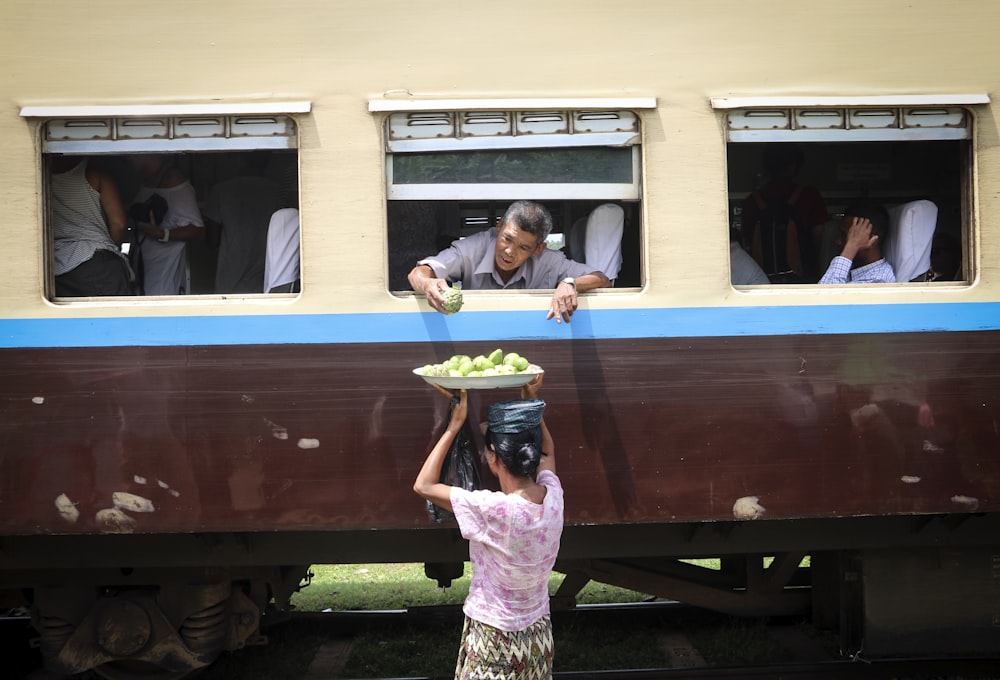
(874, 213)
(520, 452)
(531, 217)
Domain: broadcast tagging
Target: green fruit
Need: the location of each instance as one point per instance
(452, 299)
(511, 358)
(520, 364)
(434, 370)
(465, 367)
(496, 356)
(481, 363)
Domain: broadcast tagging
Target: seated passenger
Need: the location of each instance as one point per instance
(238, 210)
(862, 231)
(783, 219)
(946, 258)
(743, 269)
(89, 224)
(162, 244)
(512, 256)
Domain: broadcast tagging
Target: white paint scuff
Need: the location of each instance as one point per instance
(67, 508)
(305, 443)
(277, 431)
(115, 521)
(748, 507)
(968, 502)
(129, 501)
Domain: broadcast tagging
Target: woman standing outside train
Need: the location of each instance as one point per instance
(513, 538)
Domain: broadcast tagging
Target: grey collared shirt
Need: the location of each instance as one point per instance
(471, 260)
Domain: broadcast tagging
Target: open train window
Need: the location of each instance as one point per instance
(453, 173)
(914, 161)
(209, 202)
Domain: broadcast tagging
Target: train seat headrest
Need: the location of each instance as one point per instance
(911, 231)
(603, 239)
(281, 260)
(596, 240)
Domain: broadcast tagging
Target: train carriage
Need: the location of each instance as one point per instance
(171, 465)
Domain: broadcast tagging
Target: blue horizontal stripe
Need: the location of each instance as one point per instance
(472, 326)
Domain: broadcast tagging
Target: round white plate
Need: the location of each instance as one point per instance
(482, 382)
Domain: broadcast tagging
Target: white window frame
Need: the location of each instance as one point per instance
(511, 124)
(859, 119)
(168, 128)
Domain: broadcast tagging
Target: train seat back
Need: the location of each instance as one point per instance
(911, 231)
(281, 261)
(597, 241)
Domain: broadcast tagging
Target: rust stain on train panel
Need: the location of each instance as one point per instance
(330, 437)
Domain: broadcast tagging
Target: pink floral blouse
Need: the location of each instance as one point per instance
(512, 544)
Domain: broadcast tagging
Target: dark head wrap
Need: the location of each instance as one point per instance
(517, 415)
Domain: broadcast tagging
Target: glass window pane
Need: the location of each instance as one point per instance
(543, 166)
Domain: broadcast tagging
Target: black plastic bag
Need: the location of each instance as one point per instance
(135, 262)
(156, 204)
(139, 212)
(460, 468)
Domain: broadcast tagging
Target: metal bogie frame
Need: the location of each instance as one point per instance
(159, 584)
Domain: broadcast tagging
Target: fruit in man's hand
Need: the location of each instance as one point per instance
(452, 299)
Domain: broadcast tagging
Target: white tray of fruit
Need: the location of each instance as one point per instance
(480, 372)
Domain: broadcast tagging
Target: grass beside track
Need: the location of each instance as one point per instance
(351, 587)
(619, 640)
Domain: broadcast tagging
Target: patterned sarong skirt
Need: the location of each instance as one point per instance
(488, 653)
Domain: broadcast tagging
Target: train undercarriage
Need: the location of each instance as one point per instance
(889, 586)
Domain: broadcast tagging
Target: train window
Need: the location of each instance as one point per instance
(452, 173)
(913, 161)
(209, 204)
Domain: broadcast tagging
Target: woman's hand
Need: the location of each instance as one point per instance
(460, 410)
(530, 390)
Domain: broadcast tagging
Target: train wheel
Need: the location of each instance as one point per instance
(132, 635)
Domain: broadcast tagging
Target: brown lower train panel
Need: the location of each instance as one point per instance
(330, 437)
